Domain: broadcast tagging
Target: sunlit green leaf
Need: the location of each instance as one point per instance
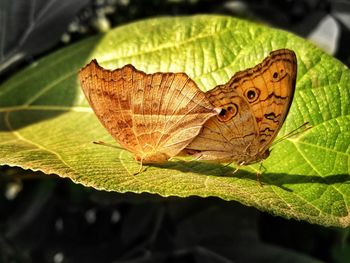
(47, 125)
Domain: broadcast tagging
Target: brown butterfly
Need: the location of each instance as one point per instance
(255, 103)
(154, 116)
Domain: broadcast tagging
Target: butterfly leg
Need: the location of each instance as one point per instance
(258, 174)
(141, 169)
(238, 167)
(236, 170)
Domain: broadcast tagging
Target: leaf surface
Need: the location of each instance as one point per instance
(47, 125)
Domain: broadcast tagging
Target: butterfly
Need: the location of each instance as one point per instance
(154, 116)
(254, 103)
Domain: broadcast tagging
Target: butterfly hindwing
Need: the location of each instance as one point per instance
(260, 98)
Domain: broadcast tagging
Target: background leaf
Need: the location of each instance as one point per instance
(47, 125)
(29, 27)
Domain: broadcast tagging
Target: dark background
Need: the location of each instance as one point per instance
(49, 219)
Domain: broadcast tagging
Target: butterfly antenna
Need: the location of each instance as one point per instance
(107, 144)
(301, 129)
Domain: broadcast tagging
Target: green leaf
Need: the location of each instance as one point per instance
(47, 125)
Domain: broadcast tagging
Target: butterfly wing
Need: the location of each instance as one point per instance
(269, 90)
(225, 138)
(261, 97)
(152, 115)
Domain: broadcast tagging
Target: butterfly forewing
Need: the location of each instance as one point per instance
(107, 94)
(152, 115)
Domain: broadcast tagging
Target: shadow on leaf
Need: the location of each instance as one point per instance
(276, 179)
